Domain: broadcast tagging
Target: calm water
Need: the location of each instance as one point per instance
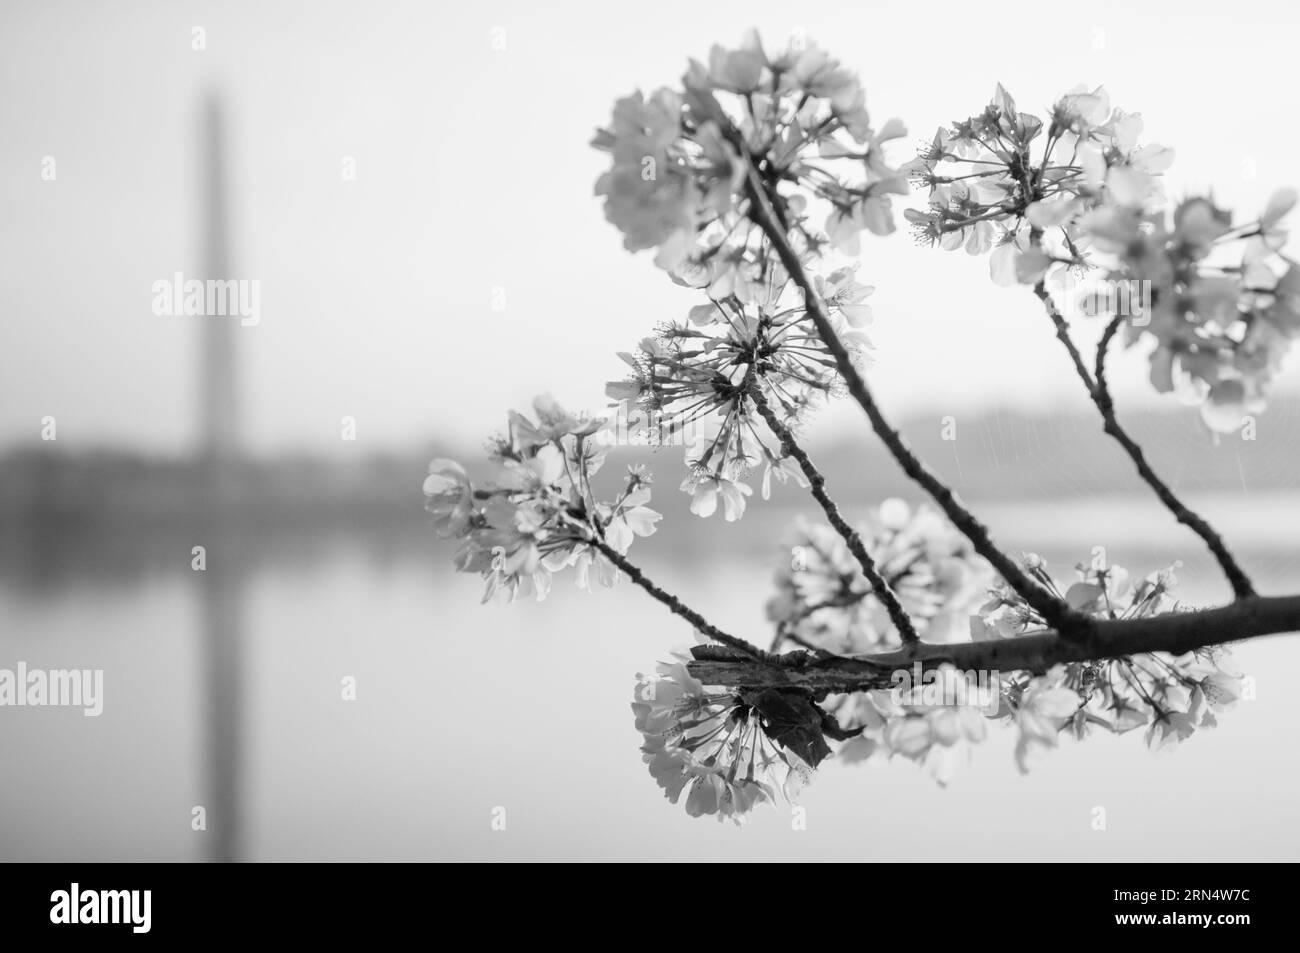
(462, 709)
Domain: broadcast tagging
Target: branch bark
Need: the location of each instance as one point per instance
(1175, 632)
(817, 486)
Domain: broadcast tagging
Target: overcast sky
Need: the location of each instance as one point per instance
(473, 173)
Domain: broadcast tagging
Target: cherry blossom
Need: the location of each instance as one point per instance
(712, 746)
(536, 513)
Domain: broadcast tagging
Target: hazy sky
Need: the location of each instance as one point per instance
(473, 173)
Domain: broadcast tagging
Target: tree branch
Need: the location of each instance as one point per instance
(817, 486)
(1174, 632)
(1063, 335)
(1100, 394)
(674, 604)
(1048, 606)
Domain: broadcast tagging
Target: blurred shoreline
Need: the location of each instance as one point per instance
(117, 514)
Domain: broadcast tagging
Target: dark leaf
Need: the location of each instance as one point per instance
(793, 722)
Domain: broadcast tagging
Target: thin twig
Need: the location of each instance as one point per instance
(673, 603)
(1063, 335)
(817, 486)
(1100, 394)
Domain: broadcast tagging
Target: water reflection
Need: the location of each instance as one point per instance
(223, 687)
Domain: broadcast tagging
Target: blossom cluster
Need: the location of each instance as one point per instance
(1171, 696)
(720, 749)
(751, 126)
(683, 162)
(712, 745)
(536, 514)
(696, 377)
(1017, 184)
(1225, 304)
(937, 734)
(823, 599)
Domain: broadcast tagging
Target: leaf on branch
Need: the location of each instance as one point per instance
(794, 722)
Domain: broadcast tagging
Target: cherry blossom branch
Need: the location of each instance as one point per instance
(1099, 639)
(1063, 335)
(817, 486)
(1100, 394)
(674, 604)
(1055, 611)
